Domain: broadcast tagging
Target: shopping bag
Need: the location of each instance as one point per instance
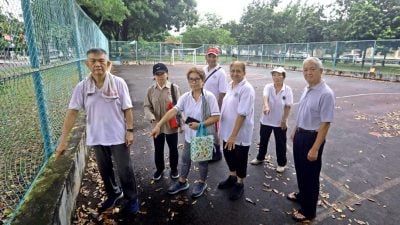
(201, 146)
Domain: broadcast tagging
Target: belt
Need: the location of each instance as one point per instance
(301, 130)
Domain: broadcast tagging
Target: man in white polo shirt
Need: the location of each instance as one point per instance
(314, 116)
(215, 83)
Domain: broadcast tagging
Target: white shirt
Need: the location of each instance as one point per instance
(316, 105)
(105, 119)
(277, 103)
(190, 108)
(217, 82)
(238, 101)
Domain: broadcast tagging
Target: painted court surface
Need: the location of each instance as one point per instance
(360, 177)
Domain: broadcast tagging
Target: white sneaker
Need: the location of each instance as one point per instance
(256, 162)
(280, 169)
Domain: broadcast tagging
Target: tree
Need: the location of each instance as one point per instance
(105, 10)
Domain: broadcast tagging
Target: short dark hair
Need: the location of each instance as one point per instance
(96, 51)
(198, 71)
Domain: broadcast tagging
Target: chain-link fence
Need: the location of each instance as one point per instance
(42, 45)
(382, 55)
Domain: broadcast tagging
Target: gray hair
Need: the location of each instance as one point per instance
(315, 60)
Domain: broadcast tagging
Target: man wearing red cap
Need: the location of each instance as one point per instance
(216, 83)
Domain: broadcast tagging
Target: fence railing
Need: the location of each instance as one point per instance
(42, 45)
(383, 55)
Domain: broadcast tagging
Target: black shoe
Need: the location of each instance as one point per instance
(131, 208)
(236, 192)
(174, 174)
(158, 174)
(228, 183)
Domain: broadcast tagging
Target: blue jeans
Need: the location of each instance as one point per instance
(186, 163)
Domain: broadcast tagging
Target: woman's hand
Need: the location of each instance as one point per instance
(230, 144)
(193, 125)
(156, 131)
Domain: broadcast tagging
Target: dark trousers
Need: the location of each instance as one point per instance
(307, 172)
(237, 159)
(112, 160)
(280, 143)
(172, 141)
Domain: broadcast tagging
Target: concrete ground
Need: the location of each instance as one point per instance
(360, 177)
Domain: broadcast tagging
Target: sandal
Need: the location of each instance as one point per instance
(299, 217)
(292, 197)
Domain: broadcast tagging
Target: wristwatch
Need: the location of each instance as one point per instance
(129, 130)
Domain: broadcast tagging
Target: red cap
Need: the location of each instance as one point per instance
(214, 51)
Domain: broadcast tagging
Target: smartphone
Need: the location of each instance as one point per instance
(191, 120)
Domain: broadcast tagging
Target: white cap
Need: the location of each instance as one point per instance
(279, 70)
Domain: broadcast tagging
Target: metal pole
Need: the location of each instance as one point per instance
(336, 52)
(373, 53)
(77, 35)
(37, 79)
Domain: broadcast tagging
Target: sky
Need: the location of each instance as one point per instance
(233, 9)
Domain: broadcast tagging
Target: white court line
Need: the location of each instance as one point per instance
(360, 95)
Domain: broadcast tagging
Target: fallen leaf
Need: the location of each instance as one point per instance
(350, 208)
(250, 201)
(266, 210)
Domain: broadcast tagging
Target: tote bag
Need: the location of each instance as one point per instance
(201, 146)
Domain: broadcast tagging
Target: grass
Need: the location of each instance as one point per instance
(21, 148)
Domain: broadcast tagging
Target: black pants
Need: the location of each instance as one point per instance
(237, 159)
(280, 143)
(116, 159)
(307, 172)
(172, 141)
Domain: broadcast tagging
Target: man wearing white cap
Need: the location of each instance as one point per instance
(216, 83)
(277, 98)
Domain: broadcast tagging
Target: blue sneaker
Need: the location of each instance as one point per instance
(131, 207)
(177, 187)
(199, 189)
(110, 202)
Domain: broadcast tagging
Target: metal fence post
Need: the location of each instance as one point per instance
(37, 78)
(335, 55)
(77, 43)
(373, 54)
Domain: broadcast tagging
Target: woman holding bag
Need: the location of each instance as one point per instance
(192, 104)
(159, 99)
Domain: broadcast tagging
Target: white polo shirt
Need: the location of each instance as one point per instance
(316, 105)
(277, 103)
(238, 101)
(217, 82)
(105, 118)
(190, 108)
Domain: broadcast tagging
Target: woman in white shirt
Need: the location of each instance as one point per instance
(236, 131)
(190, 104)
(277, 98)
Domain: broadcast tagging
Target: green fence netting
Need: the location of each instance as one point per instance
(356, 56)
(42, 48)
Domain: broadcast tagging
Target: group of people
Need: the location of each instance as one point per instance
(225, 109)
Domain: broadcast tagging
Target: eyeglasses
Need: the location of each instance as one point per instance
(194, 79)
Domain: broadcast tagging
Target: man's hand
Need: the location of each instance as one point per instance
(61, 149)
(283, 125)
(128, 138)
(312, 154)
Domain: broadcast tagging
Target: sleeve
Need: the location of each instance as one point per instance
(289, 97)
(148, 106)
(246, 102)
(266, 91)
(78, 94)
(222, 82)
(327, 107)
(213, 104)
(126, 102)
(181, 101)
